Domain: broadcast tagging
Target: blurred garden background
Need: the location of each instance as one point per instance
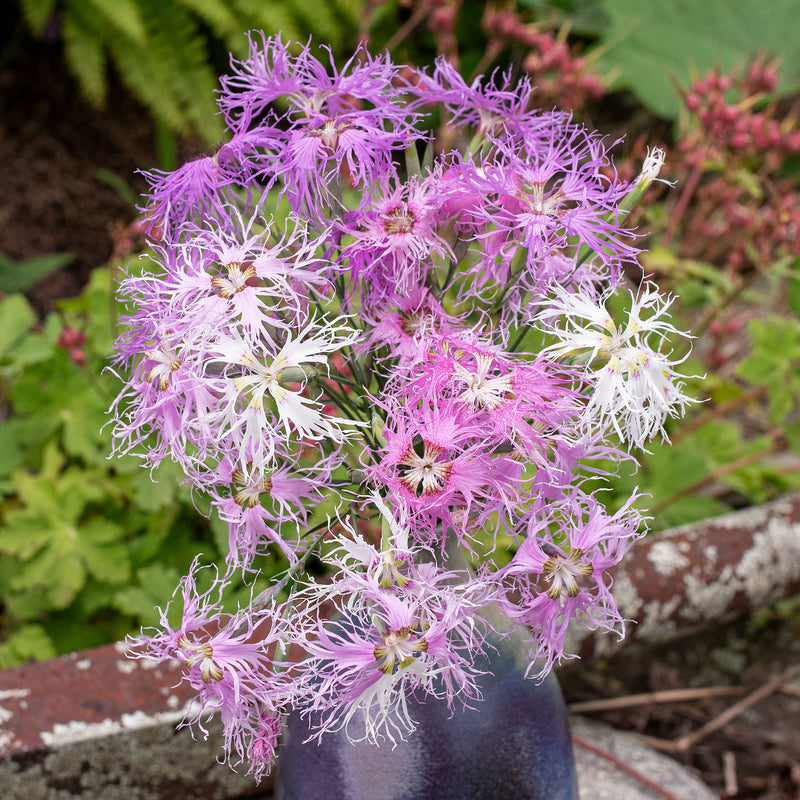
(91, 91)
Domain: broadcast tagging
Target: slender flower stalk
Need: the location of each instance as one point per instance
(331, 350)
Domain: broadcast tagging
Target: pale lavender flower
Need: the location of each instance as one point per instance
(558, 574)
(268, 507)
(225, 660)
(416, 633)
(405, 325)
(553, 200)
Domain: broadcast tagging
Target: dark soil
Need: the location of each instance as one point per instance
(53, 148)
(52, 144)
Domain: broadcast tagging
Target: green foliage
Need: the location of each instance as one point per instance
(162, 49)
(19, 276)
(775, 362)
(585, 17)
(88, 545)
(28, 643)
(648, 47)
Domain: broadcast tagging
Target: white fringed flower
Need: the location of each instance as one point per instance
(634, 386)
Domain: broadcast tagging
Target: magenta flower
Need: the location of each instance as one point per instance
(559, 573)
(395, 241)
(439, 463)
(493, 106)
(406, 325)
(343, 124)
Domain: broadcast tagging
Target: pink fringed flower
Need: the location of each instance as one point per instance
(558, 575)
(329, 344)
(398, 633)
(225, 659)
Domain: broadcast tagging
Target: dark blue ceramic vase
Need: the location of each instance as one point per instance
(515, 745)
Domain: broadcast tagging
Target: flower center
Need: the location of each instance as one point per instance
(398, 220)
(398, 649)
(481, 389)
(563, 573)
(388, 573)
(250, 488)
(424, 474)
(166, 362)
(203, 655)
(236, 280)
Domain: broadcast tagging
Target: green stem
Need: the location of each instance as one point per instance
(264, 597)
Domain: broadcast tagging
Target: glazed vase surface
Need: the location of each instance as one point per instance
(514, 745)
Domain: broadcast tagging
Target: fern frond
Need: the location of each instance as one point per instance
(145, 78)
(85, 57)
(270, 17)
(124, 16)
(176, 42)
(216, 14)
(36, 13)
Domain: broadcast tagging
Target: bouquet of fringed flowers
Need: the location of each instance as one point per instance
(370, 348)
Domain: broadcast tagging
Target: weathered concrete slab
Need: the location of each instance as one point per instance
(96, 724)
(684, 580)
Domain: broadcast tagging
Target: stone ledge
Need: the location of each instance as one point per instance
(96, 724)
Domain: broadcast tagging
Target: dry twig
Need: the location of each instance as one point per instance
(685, 743)
(729, 773)
(663, 696)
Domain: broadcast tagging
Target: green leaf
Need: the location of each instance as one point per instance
(11, 438)
(145, 77)
(158, 490)
(585, 17)
(84, 54)
(271, 17)
(648, 46)
(52, 578)
(216, 13)
(83, 419)
(27, 643)
(792, 433)
(125, 16)
(23, 535)
(16, 318)
(156, 585)
(105, 556)
(776, 351)
(181, 51)
(37, 13)
(794, 288)
(19, 276)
